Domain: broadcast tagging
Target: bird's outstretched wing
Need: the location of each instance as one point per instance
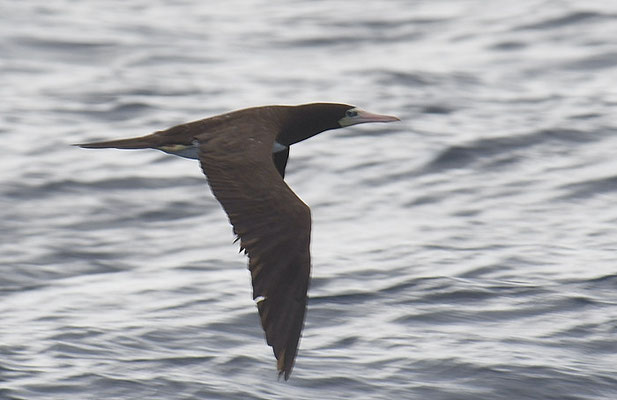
(273, 226)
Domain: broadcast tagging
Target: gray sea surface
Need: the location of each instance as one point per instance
(467, 252)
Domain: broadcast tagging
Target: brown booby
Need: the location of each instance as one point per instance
(243, 155)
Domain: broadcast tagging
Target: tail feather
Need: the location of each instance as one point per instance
(143, 142)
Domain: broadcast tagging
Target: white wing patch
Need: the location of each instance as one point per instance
(191, 151)
(276, 147)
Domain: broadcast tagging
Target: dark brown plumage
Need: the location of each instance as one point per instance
(243, 155)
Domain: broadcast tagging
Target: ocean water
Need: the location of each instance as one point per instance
(467, 252)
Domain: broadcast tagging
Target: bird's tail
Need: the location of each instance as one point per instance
(143, 142)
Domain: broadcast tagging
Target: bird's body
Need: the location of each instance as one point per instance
(243, 155)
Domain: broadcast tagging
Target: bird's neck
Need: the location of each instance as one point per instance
(302, 123)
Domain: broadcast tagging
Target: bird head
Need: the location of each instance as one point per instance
(307, 120)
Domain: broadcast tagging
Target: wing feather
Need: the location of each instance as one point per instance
(273, 226)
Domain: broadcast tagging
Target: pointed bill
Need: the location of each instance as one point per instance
(356, 116)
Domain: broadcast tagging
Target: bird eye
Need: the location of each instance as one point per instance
(351, 113)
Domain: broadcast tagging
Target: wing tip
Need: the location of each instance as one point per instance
(285, 362)
(283, 369)
(284, 374)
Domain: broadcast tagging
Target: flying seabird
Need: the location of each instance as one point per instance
(243, 154)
